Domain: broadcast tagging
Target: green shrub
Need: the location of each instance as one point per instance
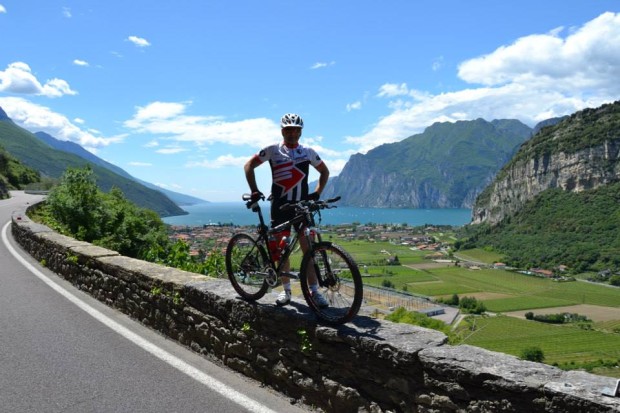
(533, 353)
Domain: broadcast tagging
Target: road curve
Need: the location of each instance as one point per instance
(63, 351)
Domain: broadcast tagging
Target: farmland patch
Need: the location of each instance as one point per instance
(596, 313)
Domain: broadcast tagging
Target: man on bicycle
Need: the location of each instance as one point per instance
(290, 163)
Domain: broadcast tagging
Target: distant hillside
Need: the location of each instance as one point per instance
(51, 162)
(71, 147)
(557, 201)
(548, 122)
(4, 117)
(446, 166)
(14, 174)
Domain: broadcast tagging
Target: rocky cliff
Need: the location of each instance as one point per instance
(363, 184)
(580, 153)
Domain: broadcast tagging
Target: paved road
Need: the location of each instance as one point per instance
(62, 351)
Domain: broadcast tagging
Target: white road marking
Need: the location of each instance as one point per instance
(209, 381)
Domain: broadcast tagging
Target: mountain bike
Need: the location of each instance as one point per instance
(254, 263)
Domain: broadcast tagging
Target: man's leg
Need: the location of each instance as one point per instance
(311, 275)
(285, 296)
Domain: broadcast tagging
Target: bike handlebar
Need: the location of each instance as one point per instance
(250, 204)
(311, 205)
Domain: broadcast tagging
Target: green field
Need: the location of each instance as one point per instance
(520, 292)
(561, 344)
(370, 253)
(480, 255)
(502, 291)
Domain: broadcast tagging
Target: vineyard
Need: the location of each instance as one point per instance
(507, 295)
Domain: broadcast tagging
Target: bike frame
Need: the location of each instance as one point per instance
(307, 228)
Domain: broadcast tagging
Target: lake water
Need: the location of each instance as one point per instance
(238, 214)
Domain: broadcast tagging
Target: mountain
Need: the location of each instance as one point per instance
(446, 166)
(51, 162)
(548, 122)
(4, 117)
(577, 154)
(71, 147)
(557, 202)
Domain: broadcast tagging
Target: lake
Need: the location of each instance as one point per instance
(238, 214)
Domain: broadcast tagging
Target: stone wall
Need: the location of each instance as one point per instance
(367, 365)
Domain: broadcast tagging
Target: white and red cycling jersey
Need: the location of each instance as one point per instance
(289, 169)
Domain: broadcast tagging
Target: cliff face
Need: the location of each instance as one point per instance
(363, 184)
(580, 153)
(444, 167)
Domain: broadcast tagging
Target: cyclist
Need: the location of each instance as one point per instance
(290, 163)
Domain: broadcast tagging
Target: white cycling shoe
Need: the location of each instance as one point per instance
(284, 298)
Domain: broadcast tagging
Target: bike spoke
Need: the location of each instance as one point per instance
(246, 262)
(340, 281)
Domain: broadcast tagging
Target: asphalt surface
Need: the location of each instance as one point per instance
(63, 351)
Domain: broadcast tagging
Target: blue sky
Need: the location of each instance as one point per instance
(182, 93)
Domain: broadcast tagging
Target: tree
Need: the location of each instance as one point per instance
(387, 283)
(79, 209)
(533, 353)
(76, 204)
(615, 280)
(471, 305)
(454, 300)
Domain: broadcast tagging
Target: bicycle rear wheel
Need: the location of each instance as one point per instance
(246, 265)
(339, 281)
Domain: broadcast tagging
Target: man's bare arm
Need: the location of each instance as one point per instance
(323, 177)
(248, 168)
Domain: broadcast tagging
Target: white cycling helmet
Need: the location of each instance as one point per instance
(291, 120)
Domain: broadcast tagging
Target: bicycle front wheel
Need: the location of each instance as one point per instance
(331, 269)
(246, 264)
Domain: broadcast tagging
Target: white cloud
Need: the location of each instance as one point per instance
(79, 120)
(354, 106)
(34, 118)
(588, 58)
(220, 162)
(168, 119)
(140, 164)
(390, 90)
(18, 79)
(139, 41)
(320, 65)
(535, 78)
(79, 62)
(156, 111)
(171, 150)
(66, 11)
(56, 88)
(335, 165)
(2, 9)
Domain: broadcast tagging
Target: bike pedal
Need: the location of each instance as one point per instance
(294, 275)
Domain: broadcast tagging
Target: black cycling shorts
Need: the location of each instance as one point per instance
(278, 217)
